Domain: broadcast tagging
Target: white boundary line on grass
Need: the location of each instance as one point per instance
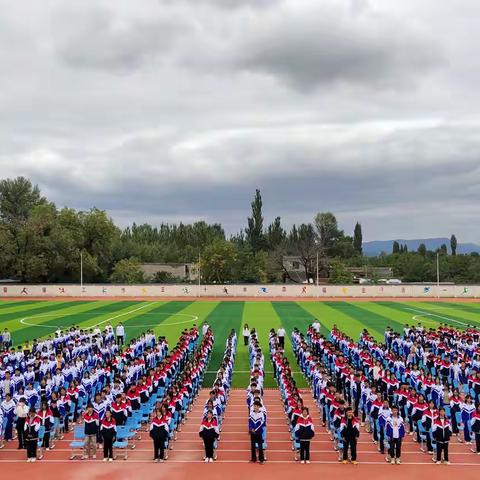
(192, 318)
(429, 314)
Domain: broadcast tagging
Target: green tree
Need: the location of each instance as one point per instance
(218, 262)
(17, 199)
(127, 271)
(254, 232)
(357, 238)
(396, 247)
(338, 275)
(275, 234)
(453, 244)
(164, 277)
(422, 250)
(443, 249)
(327, 232)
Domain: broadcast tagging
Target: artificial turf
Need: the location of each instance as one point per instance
(30, 319)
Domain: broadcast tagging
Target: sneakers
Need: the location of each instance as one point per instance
(398, 461)
(307, 461)
(110, 459)
(344, 462)
(354, 462)
(392, 461)
(206, 460)
(302, 461)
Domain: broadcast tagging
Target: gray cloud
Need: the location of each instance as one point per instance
(335, 43)
(175, 111)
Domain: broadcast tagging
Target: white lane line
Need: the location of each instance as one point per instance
(292, 462)
(429, 314)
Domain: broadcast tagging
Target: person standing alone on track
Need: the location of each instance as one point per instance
(108, 432)
(32, 426)
(304, 432)
(350, 431)
(256, 427)
(246, 334)
(120, 333)
(281, 337)
(209, 433)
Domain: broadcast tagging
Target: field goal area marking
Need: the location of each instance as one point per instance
(424, 313)
(192, 318)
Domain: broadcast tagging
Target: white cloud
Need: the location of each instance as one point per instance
(177, 110)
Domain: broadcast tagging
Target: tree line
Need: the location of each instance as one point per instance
(42, 243)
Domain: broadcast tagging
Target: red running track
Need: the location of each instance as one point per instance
(186, 459)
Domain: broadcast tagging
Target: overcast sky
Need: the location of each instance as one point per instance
(168, 110)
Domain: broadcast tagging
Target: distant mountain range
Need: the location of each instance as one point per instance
(373, 248)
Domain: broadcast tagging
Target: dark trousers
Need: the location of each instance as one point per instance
(256, 438)
(158, 448)
(442, 447)
(395, 448)
(477, 441)
(32, 448)
(281, 342)
(352, 444)
(208, 443)
(21, 432)
(107, 447)
(8, 433)
(245, 340)
(304, 449)
(46, 440)
(429, 442)
(120, 340)
(382, 440)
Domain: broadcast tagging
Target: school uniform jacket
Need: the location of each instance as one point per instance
(209, 429)
(350, 429)
(108, 428)
(32, 426)
(304, 429)
(442, 430)
(159, 427)
(390, 424)
(91, 423)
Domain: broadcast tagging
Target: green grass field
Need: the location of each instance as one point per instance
(30, 319)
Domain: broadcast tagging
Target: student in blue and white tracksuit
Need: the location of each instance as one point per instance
(395, 431)
(256, 426)
(8, 409)
(467, 409)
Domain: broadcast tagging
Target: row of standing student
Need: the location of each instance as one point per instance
(385, 417)
(170, 412)
(257, 413)
(298, 415)
(214, 408)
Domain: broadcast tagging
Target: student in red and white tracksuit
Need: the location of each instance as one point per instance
(304, 432)
(209, 433)
(31, 428)
(108, 432)
(350, 431)
(92, 423)
(442, 431)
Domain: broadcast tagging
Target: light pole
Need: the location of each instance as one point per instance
(81, 269)
(438, 274)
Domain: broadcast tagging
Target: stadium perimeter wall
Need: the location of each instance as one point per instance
(229, 291)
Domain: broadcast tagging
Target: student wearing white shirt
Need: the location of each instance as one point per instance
(246, 334)
(395, 431)
(120, 332)
(281, 337)
(205, 328)
(316, 326)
